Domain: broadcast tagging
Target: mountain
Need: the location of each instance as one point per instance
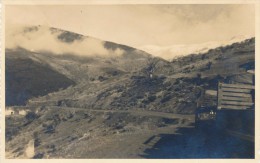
(179, 50)
(105, 100)
(130, 80)
(49, 57)
(73, 54)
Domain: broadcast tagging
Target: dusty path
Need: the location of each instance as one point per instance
(136, 112)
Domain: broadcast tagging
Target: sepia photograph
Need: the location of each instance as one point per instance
(129, 81)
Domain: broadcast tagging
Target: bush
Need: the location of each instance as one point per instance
(30, 116)
(50, 129)
(37, 142)
(151, 98)
(209, 65)
(38, 156)
(101, 78)
(166, 98)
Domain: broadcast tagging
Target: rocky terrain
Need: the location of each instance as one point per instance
(109, 105)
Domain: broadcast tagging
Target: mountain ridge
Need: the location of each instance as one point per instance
(180, 50)
(121, 100)
(136, 79)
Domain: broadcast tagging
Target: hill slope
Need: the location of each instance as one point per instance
(58, 58)
(116, 105)
(132, 79)
(26, 78)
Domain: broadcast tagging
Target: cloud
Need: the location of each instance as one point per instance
(160, 26)
(139, 25)
(42, 38)
(196, 13)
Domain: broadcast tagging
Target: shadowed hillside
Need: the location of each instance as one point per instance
(26, 78)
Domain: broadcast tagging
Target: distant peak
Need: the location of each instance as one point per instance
(173, 51)
(240, 38)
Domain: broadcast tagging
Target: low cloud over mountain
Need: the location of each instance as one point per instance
(45, 39)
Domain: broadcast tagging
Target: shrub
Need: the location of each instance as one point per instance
(151, 98)
(209, 65)
(30, 116)
(50, 129)
(38, 155)
(166, 98)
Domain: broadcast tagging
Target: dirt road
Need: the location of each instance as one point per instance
(136, 112)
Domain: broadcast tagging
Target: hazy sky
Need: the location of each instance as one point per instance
(140, 25)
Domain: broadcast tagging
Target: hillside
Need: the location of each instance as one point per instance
(105, 105)
(26, 78)
(173, 87)
(42, 67)
(134, 79)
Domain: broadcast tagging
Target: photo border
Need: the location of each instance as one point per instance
(113, 2)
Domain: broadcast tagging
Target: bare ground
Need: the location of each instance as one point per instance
(81, 133)
(61, 132)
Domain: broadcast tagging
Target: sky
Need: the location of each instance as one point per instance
(142, 25)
